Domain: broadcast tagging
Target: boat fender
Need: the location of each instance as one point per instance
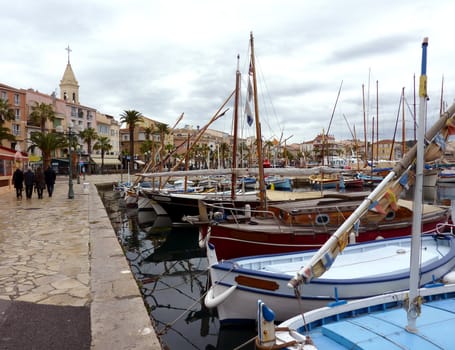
(211, 301)
(247, 210)
(449, 277)
(218, 216)
(352, 239)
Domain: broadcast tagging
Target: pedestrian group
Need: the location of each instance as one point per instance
(38, 180)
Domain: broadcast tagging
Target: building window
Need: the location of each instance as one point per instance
(73, 111)
(16, 99)
(16, 130)
(18, 114)
(4, 96)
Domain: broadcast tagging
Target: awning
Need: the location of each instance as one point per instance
(107, 161)
(5, 154)
(140, 162)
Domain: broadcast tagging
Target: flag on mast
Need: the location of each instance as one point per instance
(249, 115)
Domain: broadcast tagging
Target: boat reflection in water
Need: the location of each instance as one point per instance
(172, 272)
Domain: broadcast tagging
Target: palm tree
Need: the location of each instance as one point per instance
(41, 112)
(224, 150)
(268, 145)
(163, 130)
(6, 112)
(132, 118)
(47, 143)
(148, 145)
(88, 135)
(5, 134)
(145, 149)
(103, 144)
(148, 131)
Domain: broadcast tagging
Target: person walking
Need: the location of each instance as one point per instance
(49, 177)
(18, 181)
(29, 180)
(40, 183)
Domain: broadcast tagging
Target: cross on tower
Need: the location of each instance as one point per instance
(69, 50)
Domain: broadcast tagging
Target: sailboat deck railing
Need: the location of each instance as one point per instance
(328, 314)
(242, 215)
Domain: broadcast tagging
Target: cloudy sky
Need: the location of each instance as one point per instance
(163, 58)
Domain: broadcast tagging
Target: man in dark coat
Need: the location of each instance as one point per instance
(49, 177)
(29, 180)
(18, 181)
(40, 183)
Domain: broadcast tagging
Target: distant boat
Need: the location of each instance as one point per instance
(324, 181)
(278, 183)
(446, 176)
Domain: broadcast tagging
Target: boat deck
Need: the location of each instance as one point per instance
(387, 330)
(374, 260)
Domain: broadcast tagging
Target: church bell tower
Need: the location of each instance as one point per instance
(69, 87)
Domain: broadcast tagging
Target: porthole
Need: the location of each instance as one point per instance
(390, 216)
(322, 219)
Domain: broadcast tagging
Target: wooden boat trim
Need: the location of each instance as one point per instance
(257, 283)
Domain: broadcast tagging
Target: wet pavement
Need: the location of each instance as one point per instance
(64, 280)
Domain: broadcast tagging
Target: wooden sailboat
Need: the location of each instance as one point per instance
(304, 225)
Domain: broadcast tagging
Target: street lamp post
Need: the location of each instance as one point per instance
(78, 165)
(70, 180)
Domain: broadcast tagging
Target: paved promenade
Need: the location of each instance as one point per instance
(64, 281)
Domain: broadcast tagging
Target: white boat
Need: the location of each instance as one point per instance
(362, 270)
(418, 318)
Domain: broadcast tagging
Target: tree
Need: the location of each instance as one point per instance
(88, 135)
(267, 147)
(148, 131)
(42, 112)
(47, 143)
(132, 118)
(163, 130)
(145, 149)
(103, 144)
(6, 112)
(224, 150)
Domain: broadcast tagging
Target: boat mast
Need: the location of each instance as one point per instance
(262, 194)
(377, 122)
(364, 126)
(403, 128)
(234, 141)
(412, 312)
